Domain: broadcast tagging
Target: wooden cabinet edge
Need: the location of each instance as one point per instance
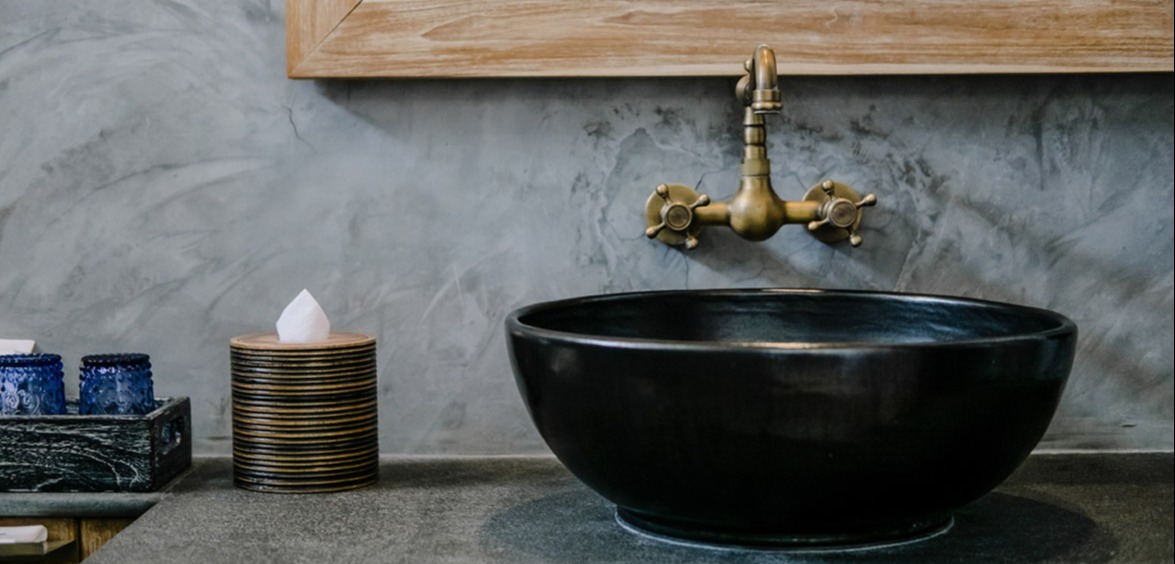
(418, 39)
(95, 532)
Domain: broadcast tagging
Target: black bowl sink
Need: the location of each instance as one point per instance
(789, 417)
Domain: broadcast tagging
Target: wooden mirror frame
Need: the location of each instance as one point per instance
(562, 38)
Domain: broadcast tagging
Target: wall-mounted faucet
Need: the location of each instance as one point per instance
(675, 214)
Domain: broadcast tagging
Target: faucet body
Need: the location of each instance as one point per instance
(675, 214)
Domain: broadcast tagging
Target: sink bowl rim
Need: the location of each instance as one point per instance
(515, 324)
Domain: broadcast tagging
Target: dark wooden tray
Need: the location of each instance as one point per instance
(96, 453)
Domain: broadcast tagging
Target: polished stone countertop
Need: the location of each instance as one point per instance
(1056, 508)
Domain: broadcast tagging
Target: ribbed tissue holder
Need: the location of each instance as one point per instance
(304, 414)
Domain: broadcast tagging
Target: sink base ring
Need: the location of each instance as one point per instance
(676, 532)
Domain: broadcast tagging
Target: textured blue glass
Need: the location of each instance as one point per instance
(116, 384)
(31, 384)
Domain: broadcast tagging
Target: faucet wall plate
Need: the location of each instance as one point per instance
(829, 232)
(678, 212)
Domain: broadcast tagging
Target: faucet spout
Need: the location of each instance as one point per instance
(759, 88)
(675, 214)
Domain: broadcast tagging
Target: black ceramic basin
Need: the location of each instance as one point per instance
(789, 417)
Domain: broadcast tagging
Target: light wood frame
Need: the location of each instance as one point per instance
(568, 38)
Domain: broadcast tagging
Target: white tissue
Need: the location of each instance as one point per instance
(23, 534)
(16, 346)
(303, 321)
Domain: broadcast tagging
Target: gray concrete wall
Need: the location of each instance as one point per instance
(164, 187)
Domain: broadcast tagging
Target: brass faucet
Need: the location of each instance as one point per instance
(675, 214)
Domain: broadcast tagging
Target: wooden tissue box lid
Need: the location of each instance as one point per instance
(96, 453)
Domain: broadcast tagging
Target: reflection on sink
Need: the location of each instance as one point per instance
(789, 417)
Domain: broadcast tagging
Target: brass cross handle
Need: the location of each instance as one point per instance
(839, 213)
(676, 212)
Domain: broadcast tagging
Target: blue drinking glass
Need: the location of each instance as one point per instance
(31, 384)
(116, 384)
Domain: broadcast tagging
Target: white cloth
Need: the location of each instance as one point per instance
(25, 534)
(16, 346)
(303, 321)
